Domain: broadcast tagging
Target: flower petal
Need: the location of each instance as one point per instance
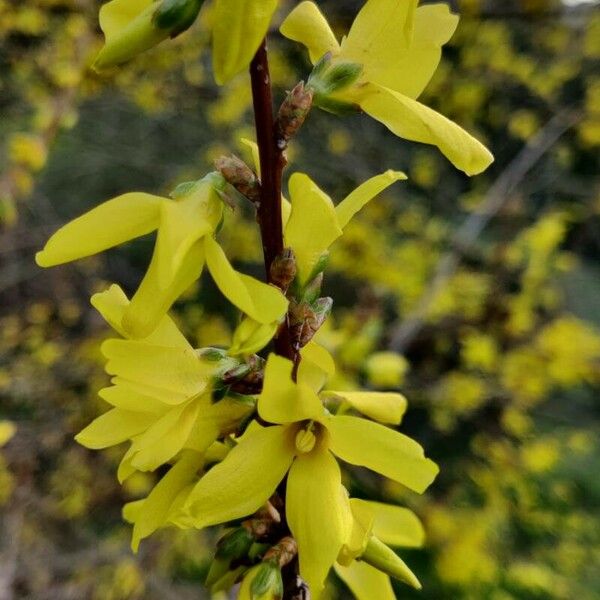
(316, 366)
(239, 28)
(284, 401)
(414, 121)
(365, 581)
(127, 399)
(114, 427)
(244, 481)
(318, 513)
(313, 224)
(260, 301)
(116, 15)
(307, 25)
(385, 407)
(393, 525)
(381, 449)
(109, 224)
(155, 510)
(152, 301)
(177, 370)
(164, 438)
(250, 336)
(363, 194)
(111, 304)
(382, 30)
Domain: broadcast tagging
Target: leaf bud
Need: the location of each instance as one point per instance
(293, 112)
(267, 583)
(238, 174)
(283, 269)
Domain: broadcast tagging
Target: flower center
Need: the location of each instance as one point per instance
(305, 439)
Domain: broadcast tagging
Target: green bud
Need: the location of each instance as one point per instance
(383, 558)
(176, 15)
(233, 546)
(211, 354)
(267, 582)
(339, 77)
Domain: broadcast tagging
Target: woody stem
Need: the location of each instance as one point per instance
(272, 163)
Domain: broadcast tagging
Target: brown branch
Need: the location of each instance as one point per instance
(272, 163)
(403, 335)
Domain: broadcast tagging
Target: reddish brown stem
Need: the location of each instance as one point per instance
(272, 163)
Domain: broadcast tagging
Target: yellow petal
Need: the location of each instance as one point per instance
(182, 223)
(114, 427)
(165, 437)
(381, 449)
(109, 224)
(307, 25)
(162, 395)
(156, 506)
(127, 399)
(176, 370)
(414, 121)
(394, 525)
(262, 302)
(129, 30)
(318, 513)
(244, 481)
(313, 225)
(382, 30)
(385, 407)
(111, 304)
(125, 470)
(410, 72)
(251, 336)
(316, 366)
(131, 511)
(152, 301)
(365, 581)
(282, 400)
(363, 194)
(239, 27)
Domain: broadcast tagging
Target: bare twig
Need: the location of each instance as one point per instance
(471, 229)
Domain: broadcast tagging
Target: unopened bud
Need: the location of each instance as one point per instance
(233, 546)
(293, 112)
(283, 269)
(283, 553)
(267, 583)
(129, 33)
(240, 176)
(383, 558)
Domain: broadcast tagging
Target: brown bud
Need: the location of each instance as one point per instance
(293, 112)
(306, 320)
(283, 552)
(283, 269)
(237, 173)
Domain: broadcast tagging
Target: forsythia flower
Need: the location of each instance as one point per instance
(186, 225)
(302, 441)
(133, 26)
(393, 525)
(383, 65)
(312, 210)
(161, 395)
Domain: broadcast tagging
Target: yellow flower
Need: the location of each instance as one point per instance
(312, 210)
(161, 394)
(393, 525)
(383, 64)
(303, 440)
(186, 225)
(134, 26)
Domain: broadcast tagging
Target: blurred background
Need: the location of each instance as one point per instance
(477, 298)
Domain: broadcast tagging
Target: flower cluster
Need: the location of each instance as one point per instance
(242, 436)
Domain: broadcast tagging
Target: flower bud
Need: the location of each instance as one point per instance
(262, 582)
(383, 558)
(233, 546)
(128, 33)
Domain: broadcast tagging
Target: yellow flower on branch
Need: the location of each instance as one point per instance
(382, 66)
(302, 443)
(134, 26)
(162, 394)
(186, 225)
